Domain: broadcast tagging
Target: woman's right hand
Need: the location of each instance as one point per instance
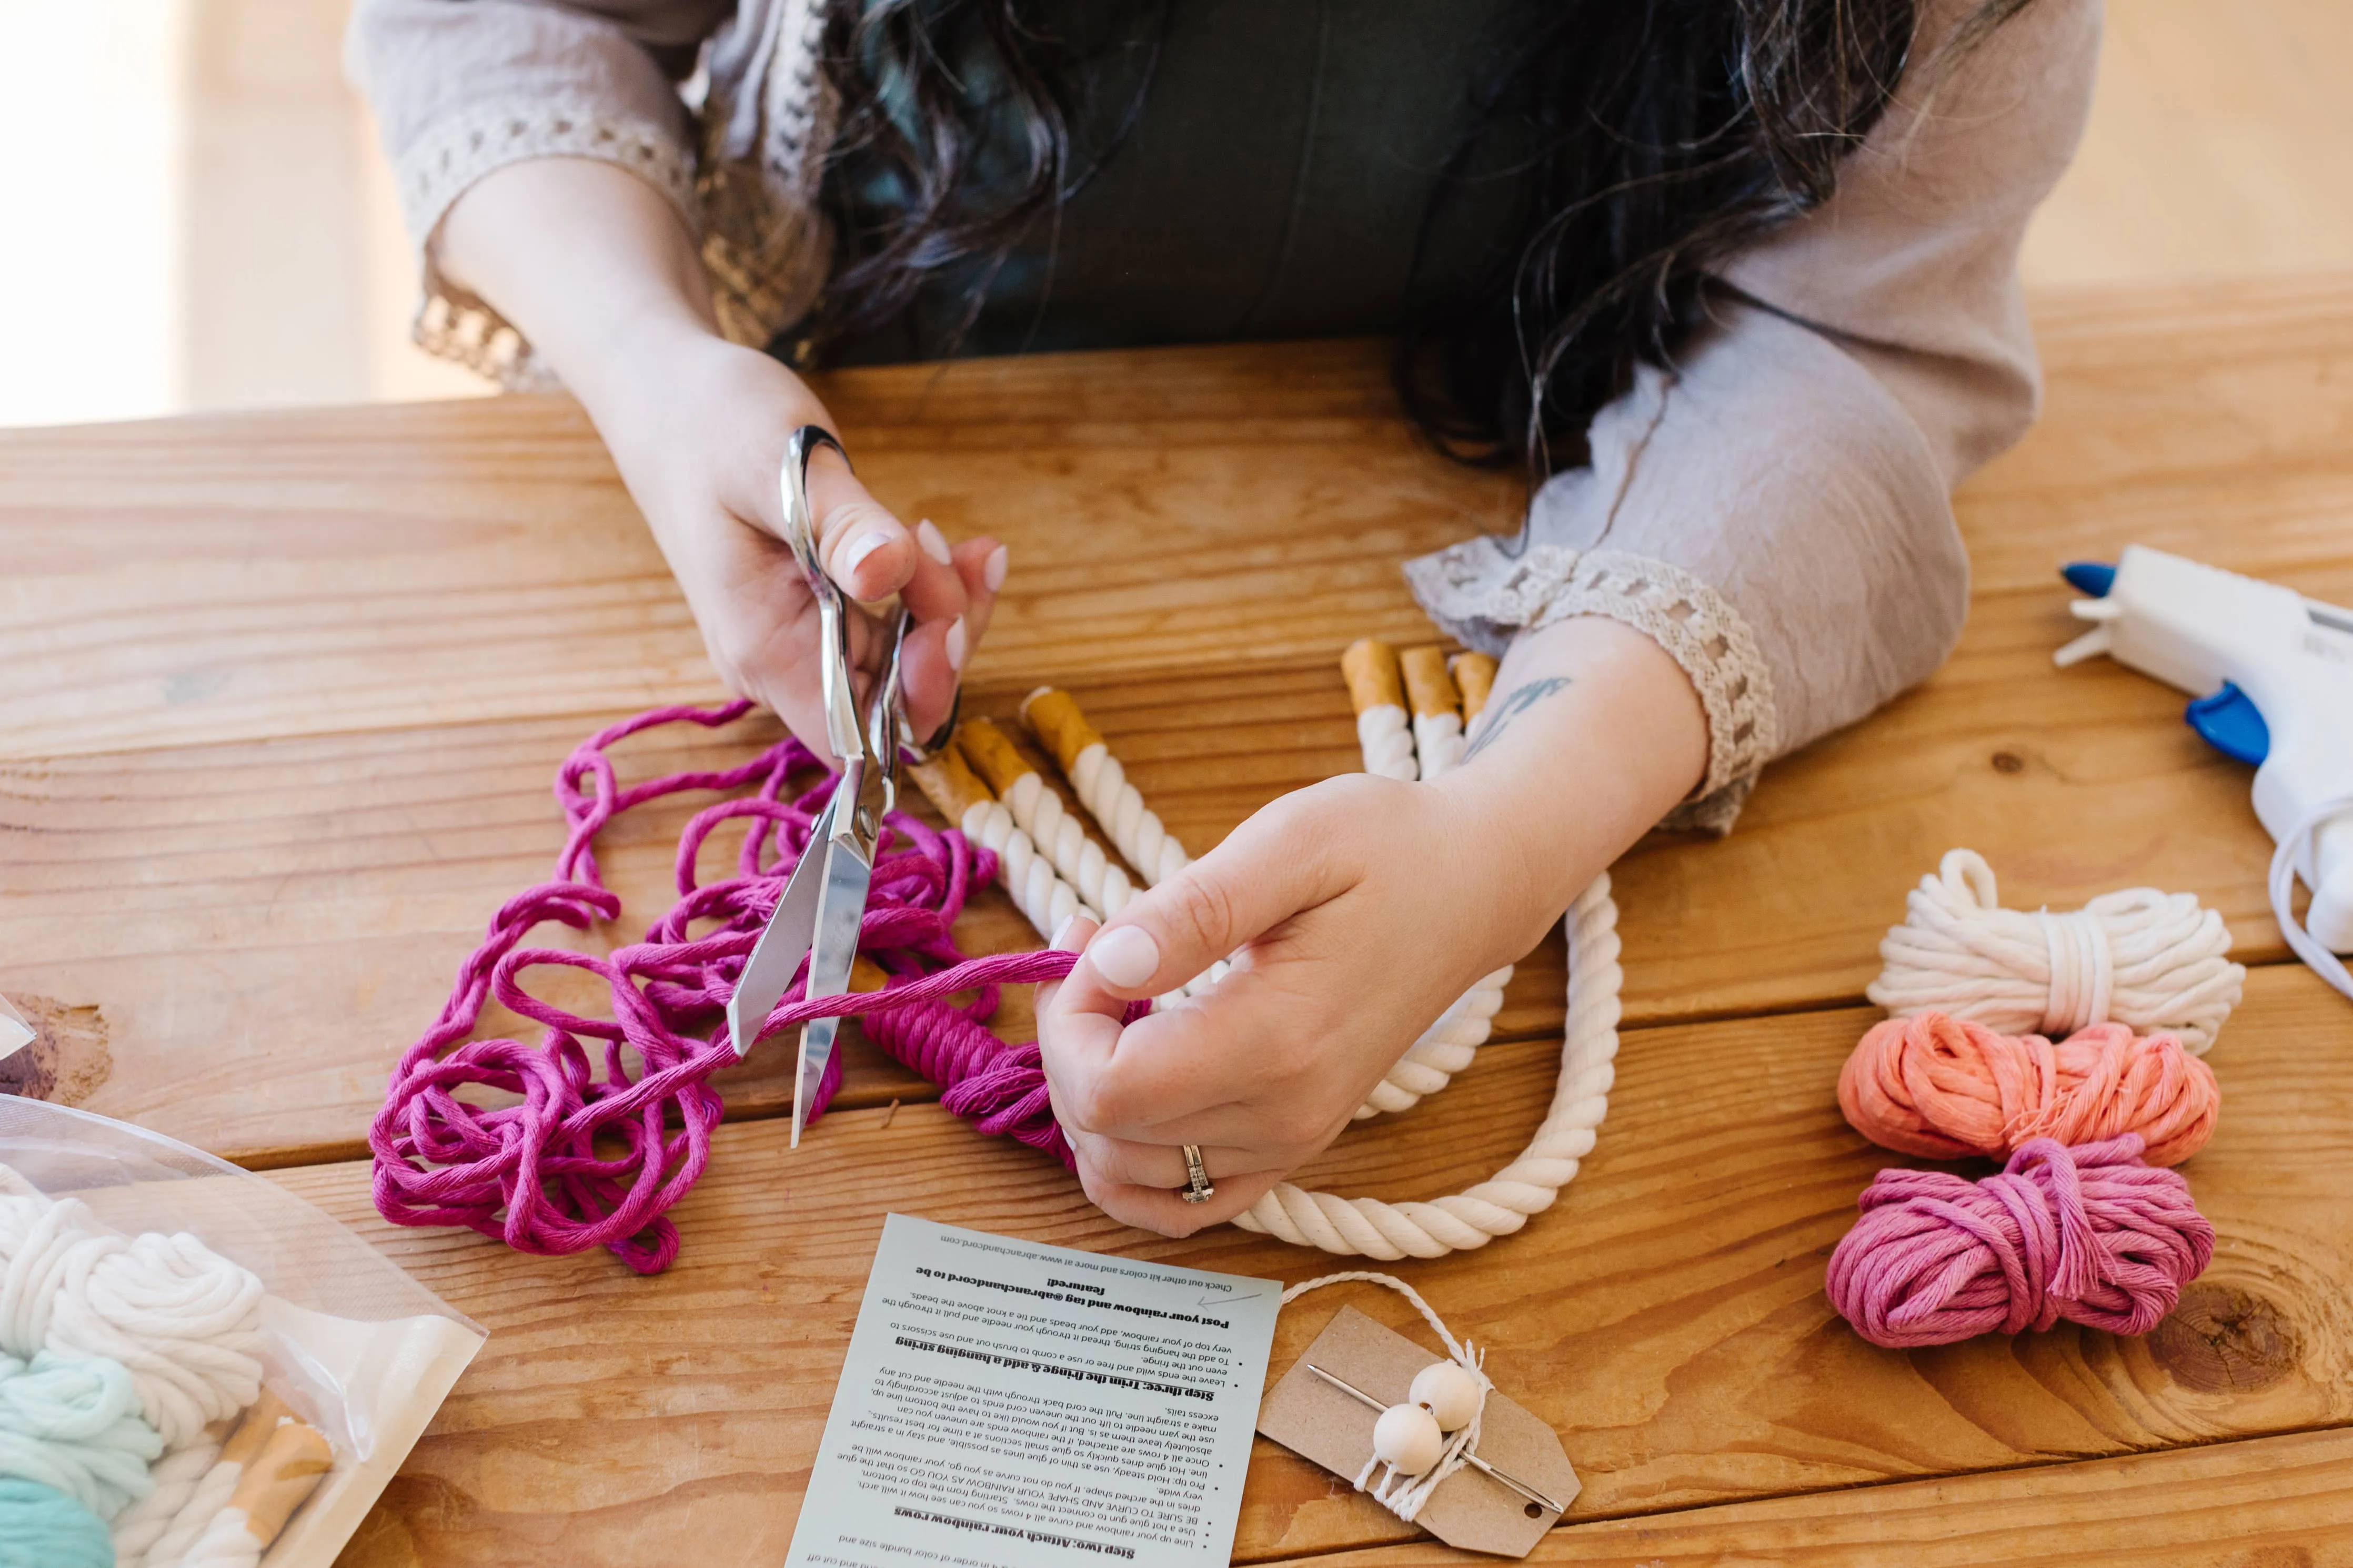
(698, 427)
(596, 269)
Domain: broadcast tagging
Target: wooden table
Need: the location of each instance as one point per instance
(284, 693)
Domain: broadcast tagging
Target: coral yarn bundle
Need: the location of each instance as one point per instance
(1944, 1087)
(533, 1174)
(2090, 1235)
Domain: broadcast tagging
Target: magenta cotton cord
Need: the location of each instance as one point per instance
(2089, 1234)
(530, 1173)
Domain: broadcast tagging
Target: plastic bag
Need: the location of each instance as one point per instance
(348, 1346)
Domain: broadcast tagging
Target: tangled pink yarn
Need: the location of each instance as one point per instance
(2089, 1234)
(530, 1173)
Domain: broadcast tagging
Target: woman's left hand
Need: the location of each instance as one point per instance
(1355, 911)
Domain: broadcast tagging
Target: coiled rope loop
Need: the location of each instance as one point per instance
(1528, 1185)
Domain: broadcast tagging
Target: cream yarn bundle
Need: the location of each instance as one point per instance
(182, 1319)
(2151, 959)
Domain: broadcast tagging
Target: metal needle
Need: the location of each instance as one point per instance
(1473, 1460)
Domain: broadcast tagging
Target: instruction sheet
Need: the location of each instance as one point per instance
(1007, 1404)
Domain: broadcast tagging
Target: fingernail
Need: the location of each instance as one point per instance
(955, 649)
(1062, 931)
(993, 574)
(935, 542)
(1126, 956)
(864, 545)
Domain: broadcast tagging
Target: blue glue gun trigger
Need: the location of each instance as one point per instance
(2093, 579)
(2230, 723)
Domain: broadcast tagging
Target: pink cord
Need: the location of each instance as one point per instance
(2088, 1234)
(530, 1173)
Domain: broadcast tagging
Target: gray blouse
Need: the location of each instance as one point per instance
(1774, 510)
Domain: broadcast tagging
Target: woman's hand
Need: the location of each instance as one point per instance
(702, 449)
(596, 269)
(1355, 911)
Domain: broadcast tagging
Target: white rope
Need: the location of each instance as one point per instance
(1438, 741)
(1387, 744)
(1135, 830)
(2151, 960)
(1120, 812)
(1528, 1184)
(1080, 860)
(183, 1319)
(1044, 899)
(1445, 1049)
(228, 1542)
(205, 1502)
(175, 1476)
(1403, 1496)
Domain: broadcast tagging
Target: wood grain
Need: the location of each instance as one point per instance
(1667, 1316)
(2269, 1502)
(301, 574)
(264, 927)
(2213, 419)
(1186, 511)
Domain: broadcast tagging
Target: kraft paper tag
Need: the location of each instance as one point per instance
(1317, 1421)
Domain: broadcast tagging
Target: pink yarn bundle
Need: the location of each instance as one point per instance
(530, 1173)
(2088, 1234)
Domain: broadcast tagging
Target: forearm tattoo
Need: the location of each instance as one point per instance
(1518, 701)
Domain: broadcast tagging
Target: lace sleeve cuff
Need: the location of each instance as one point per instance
(446, 161)
(1485, 596)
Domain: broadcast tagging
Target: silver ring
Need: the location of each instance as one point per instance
(1197, 1189)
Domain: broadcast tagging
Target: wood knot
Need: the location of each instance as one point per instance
(2009, 763)
(2222, 1338)
(67, 1060)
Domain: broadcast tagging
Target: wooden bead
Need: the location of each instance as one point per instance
(1450, 1393)
(1408, 1439)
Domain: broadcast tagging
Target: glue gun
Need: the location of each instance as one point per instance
(2270, 673)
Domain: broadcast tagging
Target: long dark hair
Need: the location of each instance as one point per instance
(1645, 142)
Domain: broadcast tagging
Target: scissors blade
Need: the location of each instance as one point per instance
(841, 910)
(777, 955)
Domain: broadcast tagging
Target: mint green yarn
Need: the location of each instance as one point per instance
(41, 1527)
(71, 1424)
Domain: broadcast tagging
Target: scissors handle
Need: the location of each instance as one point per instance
(841, 726)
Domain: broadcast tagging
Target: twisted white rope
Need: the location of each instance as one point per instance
(1120, 810)
(1387, 744)
(183, 1319)
(2151, 959)
(175, 1474)
(1445, 1049)
(1082, 862)
(1438, 741)
(1401, 1495)
(1043, 898)
(1136, 829)
(205, 1502)
(1528, 1184)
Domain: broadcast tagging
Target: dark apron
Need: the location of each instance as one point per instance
(1275, 186)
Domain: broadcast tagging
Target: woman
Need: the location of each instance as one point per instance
(1734, 279)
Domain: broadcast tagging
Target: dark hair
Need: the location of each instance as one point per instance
(1645, 140)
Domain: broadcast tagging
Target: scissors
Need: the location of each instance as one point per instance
(825, 901)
